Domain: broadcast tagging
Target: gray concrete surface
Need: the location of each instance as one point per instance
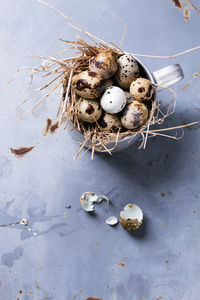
(66, 253)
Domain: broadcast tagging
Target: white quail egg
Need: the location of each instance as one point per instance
(88, 84)
(113, 100)
(141, 89)
(88, 110)
(110, 122)
(131, 217)
(134, 115)
(128, 70)
(104, 64)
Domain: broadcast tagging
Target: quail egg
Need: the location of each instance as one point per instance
(88, 84)
(108, 83)
(128, 70)
(88, 110)
(129, 97)
(134, 115)
(104, 64)
(141, 89)
(113, 100)
(131, 217)
(110, 122)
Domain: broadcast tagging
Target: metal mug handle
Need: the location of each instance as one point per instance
(168, 75)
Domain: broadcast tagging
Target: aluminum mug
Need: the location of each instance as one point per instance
(165, 76)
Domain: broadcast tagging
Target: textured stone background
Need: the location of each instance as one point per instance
(69, 254)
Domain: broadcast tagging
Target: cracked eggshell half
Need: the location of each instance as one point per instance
(113, 100)
(142, 89)
(131, 217)
(104, 64)
(112, 221)
(88, 84)
(88, 110)
(88, 199)
(134, 115)
(128, 70)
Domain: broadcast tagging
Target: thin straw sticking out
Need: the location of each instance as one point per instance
(172, 128)
(83, 144)
(36, 104)
(66, 96)
(168, 56)
(123, 36)
(72, 23)
(192, 5)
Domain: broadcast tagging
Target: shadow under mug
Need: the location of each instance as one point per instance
(165, 76)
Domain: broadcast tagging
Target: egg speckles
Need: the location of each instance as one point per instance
(110, 122)
(141, 89)
(88, 110)
(134, 115)
(88, 84)
(131, 217)
(104, 64)
(113, 100)
(128, 71)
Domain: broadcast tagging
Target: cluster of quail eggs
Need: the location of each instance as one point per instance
(112, 92)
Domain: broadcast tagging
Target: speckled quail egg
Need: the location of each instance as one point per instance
(128, 70)
(113, 100)
(141, 89)
(88, 110)
(88, 84)
(110, 122)
(131, 217)
(134, 115)
(129, 97)
(104, 64)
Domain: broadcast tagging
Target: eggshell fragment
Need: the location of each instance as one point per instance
(113, 100)
(88, 198)
(104, 64)
(112, 221)
(88, 84)
(128, 70)
(131, 217)
(88, 110)
(141, 89)
(134, 115)
(110, 122)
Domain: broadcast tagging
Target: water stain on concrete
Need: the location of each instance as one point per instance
(8, 259)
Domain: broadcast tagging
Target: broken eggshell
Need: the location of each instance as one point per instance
(112, 221)
(131, 217)
(88, 199)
